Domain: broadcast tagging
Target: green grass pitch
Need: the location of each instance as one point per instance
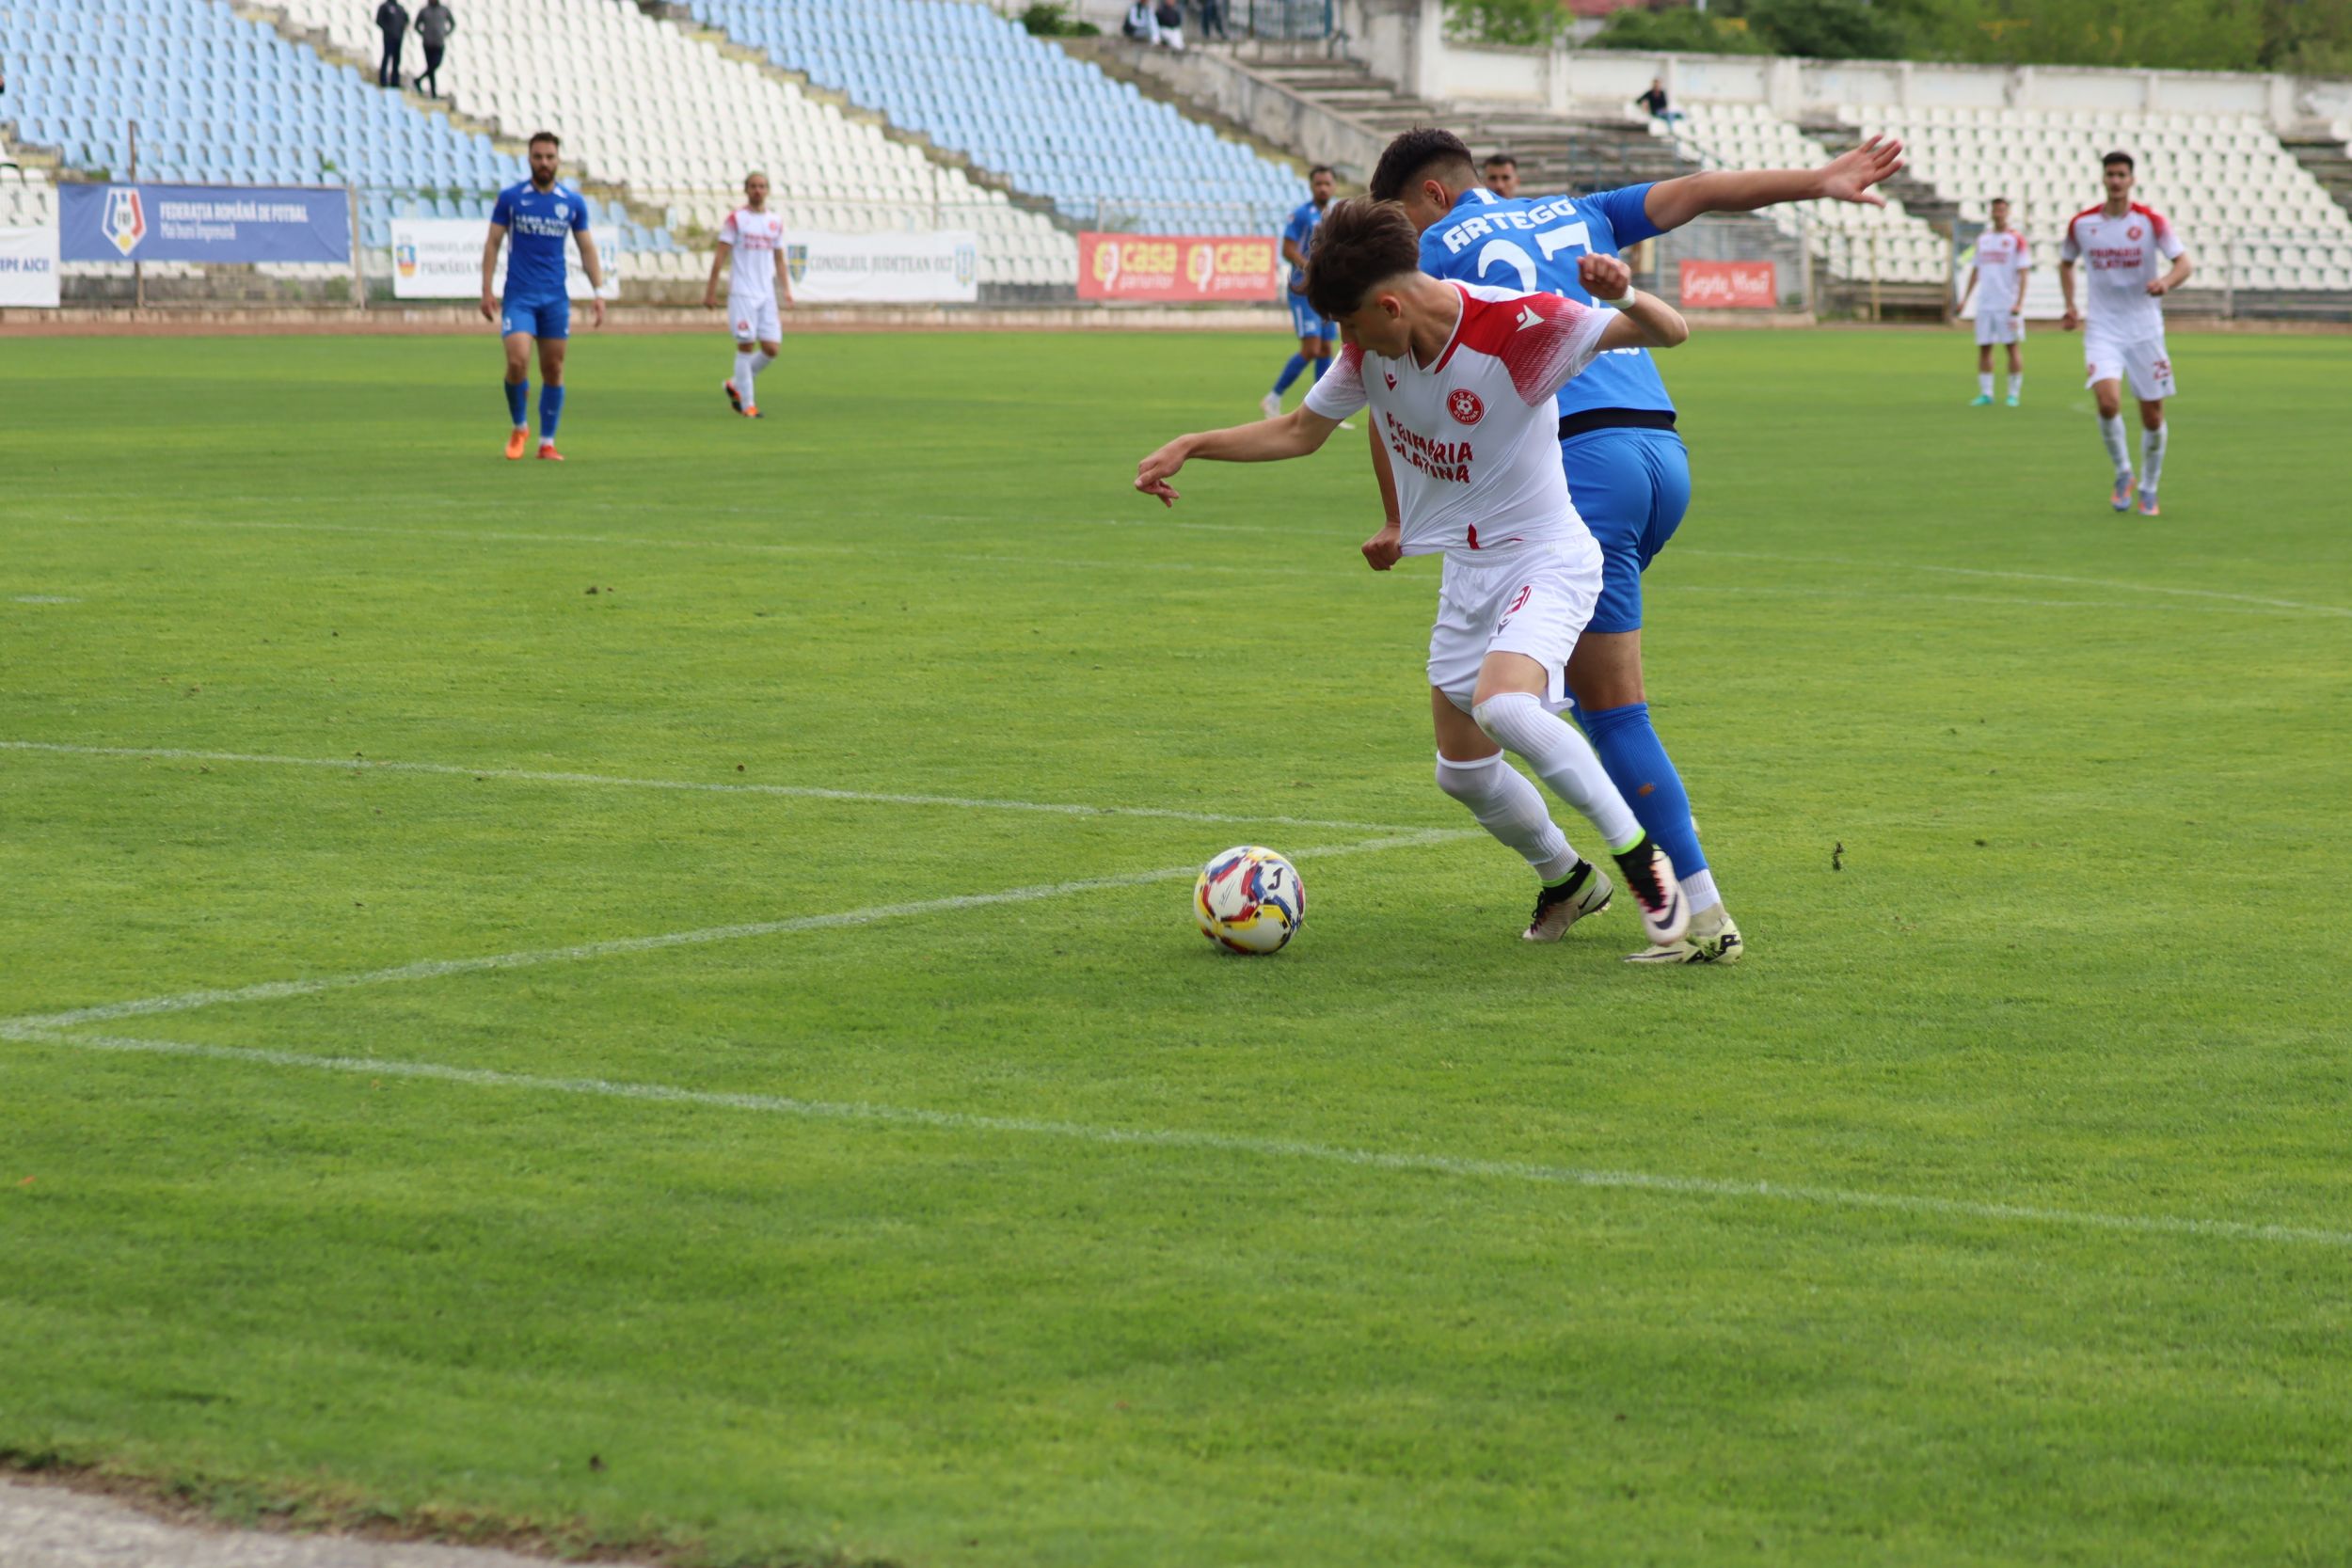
(938, 1196)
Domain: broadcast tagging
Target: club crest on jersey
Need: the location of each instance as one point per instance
(1392, 375)
(1464, 406)
(2133, 232)
(563, 210)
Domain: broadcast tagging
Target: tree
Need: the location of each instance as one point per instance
(1506, 20)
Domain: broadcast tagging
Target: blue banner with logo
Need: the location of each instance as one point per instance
(147, 222)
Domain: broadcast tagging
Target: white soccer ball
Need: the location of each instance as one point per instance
(1249, 900)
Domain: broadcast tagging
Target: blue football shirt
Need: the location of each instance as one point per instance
(1532, 243)
(1300, 231)
(537, 223)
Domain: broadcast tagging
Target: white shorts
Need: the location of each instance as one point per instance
(754, 320)
(1538, 602)
(2145, 363)
(1998, 327)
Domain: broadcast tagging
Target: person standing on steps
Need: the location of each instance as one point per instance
(391, 20)
(434, 25)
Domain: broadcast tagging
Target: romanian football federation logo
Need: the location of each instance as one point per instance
(125, 220)
(795, 262)
(1464, 406)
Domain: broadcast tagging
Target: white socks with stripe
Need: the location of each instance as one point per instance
(2151, 457)
(2111, 432)
(1562, 758)
(1507, 806)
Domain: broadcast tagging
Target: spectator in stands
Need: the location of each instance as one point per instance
(1503, 175)
(391, 20)
(1140, 24)
(1213, 20)
(1169, 19)
(1655, 102)
(434, 27)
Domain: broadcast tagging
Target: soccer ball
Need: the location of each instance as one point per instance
(1249, 900)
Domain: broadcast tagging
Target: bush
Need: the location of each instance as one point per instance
(1506, 20)
(1682, 30)
(1051, 19)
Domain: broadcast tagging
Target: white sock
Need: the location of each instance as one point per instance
(2152, 456)
(1700, 887)
(746, 372)
(2017, 383)
(761, 360)
(1984, 384)
(1507, 806)
(1562, 758)
(2111, 432)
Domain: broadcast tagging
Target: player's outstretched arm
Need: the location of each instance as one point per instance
(1641, 319)
(1295, 435)
(1849, 176)
(593, 265)
(710, 285)
(491, 270)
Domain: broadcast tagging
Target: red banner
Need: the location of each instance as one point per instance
(1180, 268)
(1728, 286)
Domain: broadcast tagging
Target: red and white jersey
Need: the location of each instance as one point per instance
(2124, 255)
(2002, 259)
(755, 237)
(1474, 438)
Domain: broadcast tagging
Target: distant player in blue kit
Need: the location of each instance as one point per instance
(539, 215)
(1627, 472)
(1316, 335)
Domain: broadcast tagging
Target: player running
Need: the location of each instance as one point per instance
(750, 248)
(1460, 379)
(2125, 333)
(1314, 334)
(1624, 463)
(537, 308)
(2003, 259)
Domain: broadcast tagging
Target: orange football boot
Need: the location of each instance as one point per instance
(515, 445)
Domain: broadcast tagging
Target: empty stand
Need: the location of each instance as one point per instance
(646, 104)
(977, 83)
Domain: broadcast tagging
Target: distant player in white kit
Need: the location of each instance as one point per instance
(1461, 379)
(2002, 262)
(2126, 244)
(750, 249)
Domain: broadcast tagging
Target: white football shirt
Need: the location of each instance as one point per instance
(2002, 258)
(2123, 255)
(1474, 438)
(755, 237)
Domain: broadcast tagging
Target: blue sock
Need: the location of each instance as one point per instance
(551, 409)
(1290, 373)
(518, 393)
(1645, 775)
(1320, 366)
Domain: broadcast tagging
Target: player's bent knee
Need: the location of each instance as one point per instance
(1469, 781)
(1505, 712)
(770, 348)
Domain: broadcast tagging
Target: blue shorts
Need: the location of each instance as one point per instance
(1632, 487)
(1305, 324)
(541, 317)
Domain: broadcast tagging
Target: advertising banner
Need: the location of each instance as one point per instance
(1728, 286)
(29, 267)
(204, 223)
(1187, 269)
(441, 259)
(941, 268)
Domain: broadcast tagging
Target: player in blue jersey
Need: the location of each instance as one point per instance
(533, 219)
(1316, 335)
(1626, 469)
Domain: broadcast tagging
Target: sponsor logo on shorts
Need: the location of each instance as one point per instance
(1464, 406)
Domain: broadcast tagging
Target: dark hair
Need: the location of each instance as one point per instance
(2114, 158)
(1322, 168)
(2000, 201)
(548, 137)
(1413, 154)
(1359, 244)
(1502, 160)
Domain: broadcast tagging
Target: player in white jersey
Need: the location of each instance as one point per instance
(2003, 260)
(2126, 245)
(1460, 379)
(751, 250)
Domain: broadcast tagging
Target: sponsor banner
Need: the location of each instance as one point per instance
(1179, 268)
(204, 223)
(441, 259)
(1728, 286)
(898, 268)
(29, 267)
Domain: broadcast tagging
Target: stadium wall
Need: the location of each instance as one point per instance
(1406, 41)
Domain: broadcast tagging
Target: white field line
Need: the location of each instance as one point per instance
(1994, 600)
(2298, 605)
(433, 968)
(792, 792)
(1219, 1143)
